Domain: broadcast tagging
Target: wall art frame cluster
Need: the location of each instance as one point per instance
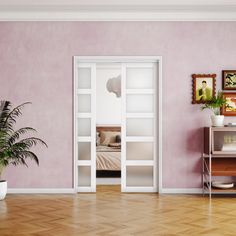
(204, 88)
(229, 92)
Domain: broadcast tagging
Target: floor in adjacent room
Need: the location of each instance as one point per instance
(109, 212)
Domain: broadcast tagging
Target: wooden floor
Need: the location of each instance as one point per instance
(109, 212)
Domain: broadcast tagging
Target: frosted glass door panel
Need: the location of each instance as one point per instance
(84, 127)
(139, 127)
(139, 176)
(139, 78)
(84, 78)
(84, 103)
(84, 176)
(84, 151)
(85, 148)
(139, 103)
(139, 151)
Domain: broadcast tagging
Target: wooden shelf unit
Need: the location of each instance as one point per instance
(216, 161)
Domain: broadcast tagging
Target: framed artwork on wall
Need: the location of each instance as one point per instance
(204, 87)
(230, 108)
(229, 79)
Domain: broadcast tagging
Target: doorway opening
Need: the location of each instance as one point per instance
(108, 124)
(118, 123)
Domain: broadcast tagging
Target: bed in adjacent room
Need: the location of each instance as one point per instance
(108, 152)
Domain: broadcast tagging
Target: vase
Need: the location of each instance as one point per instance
(3, 189)
(217, 120)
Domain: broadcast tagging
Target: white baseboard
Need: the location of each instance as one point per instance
(41, 191)
(108, 181)
(103, 181)
(181, 191)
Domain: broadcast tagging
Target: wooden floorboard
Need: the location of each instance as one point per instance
(109, 212)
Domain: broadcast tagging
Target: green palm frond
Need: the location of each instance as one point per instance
(31, 155)
(19, 157)
(5, 107)
(215, 103)
(16, 135)
(10, 118)
(28, 143)
(18, 160)
(13, 149)
(3, 140)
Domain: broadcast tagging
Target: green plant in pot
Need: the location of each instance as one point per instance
(215, 105)
(14, 150)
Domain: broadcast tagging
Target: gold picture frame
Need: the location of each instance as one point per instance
(204, 88)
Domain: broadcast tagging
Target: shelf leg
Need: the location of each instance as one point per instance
(203, 192)
(210, 176)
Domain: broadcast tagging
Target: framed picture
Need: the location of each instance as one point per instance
(231, 102)
(229, 79)
(204, 87)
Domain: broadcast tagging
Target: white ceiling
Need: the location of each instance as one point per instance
(117, 10)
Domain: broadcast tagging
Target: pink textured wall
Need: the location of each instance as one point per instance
(36, 66)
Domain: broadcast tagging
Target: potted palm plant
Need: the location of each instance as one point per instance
(14, 150)
(215, 105)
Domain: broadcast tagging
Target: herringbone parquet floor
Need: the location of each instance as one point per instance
(111, 213)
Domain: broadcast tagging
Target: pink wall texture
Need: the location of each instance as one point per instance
(36, 61)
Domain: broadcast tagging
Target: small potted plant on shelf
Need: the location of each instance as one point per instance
(14, 150)
(215, 105)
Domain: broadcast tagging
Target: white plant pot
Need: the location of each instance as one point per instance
(3, 189)
(217, 121)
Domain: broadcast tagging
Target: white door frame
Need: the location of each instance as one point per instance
(120, 59)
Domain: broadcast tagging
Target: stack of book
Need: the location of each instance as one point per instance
(229, 147)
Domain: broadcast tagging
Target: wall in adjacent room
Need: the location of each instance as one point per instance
(36, 64)
(108, 105)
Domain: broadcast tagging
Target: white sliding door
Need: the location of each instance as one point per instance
(139, 160)
(85, 107)
(141, 123)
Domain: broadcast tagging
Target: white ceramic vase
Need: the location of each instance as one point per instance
(3, 189)
(217, 120)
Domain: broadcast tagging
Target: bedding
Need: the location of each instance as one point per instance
(102, 148)
(115, 145)
(108, 158)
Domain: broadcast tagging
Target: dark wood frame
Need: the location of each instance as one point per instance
(108, 173)
(108, 128)
(201, 76)
(224, 72)
(223, 110)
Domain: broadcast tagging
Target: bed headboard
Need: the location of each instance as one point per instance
(108, 128)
